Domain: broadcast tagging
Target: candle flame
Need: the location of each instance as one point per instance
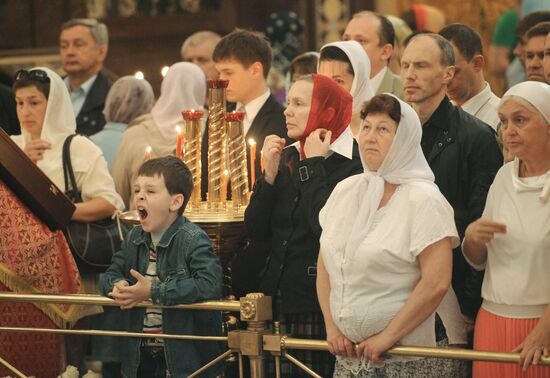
(149, 149)
(178, 129)
(251, 141)
(226, 172)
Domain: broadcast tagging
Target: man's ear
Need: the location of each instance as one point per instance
(448, 74)
(478, 62)
(257, 69)
(387, 51)
(177, 202)
(102, 52)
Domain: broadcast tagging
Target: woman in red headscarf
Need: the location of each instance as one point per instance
(284, 208)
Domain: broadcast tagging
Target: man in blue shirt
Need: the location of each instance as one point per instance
(83, 48)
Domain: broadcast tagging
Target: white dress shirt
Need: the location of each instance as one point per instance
(343, 145)
(484, 106)
(252, 109)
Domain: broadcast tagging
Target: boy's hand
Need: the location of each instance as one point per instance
(116, 288)
(128, 296)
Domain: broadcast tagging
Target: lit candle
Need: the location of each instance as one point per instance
(148, 151)
(179, 142)
(252, 144)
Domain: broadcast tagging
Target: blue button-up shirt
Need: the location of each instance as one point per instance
(108, 140)
(78, 96)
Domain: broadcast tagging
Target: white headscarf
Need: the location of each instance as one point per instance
(538, 95)
(361, 89)
(127, 99)
(183, 88)
(356, 199)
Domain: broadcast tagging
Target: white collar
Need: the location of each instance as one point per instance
(254, 106)
(377, 79)
(343, 145)
(475, 103)
(85, 86)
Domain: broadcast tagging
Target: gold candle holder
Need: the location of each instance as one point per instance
(236, 146)
(192, 152)
(216, 142)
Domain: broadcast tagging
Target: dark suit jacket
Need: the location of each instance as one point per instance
(8, 114)
(90, 120)
(250, 256)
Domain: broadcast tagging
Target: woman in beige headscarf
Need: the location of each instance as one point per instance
(184, 87)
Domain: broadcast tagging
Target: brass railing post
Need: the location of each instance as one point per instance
(256, 310)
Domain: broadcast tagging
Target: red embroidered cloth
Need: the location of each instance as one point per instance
(33, 260)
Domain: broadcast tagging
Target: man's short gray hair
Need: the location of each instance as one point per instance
(199, 38)
(445, 47)
(99, 30)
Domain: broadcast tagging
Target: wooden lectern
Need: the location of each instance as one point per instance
(32, 186)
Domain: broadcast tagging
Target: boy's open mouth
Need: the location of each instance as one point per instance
(142, 213)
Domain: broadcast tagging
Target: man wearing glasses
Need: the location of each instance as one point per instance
(83, 48)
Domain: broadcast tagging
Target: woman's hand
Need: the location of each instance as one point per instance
(317, 143)
(482, 231)
(338, 344)
(535, 345)
(271, 152)
(35, 149)
(373, 347)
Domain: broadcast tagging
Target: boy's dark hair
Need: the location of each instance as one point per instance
(304, 64)
(531, 20)
(539, 30)
(383, 104)
(246, 47)
(464, 38)
(335, 53)
(177, 177)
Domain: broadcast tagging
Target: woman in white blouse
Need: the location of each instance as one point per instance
(386, 254)
(511, 241)
(47, 118)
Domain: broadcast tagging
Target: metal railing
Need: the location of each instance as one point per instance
(254, 342)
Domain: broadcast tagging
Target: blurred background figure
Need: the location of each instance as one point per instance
(128, 99)
(303, 64)
(198, 49)
(534, 51)
(424, 17)
(402, 31)
(8, 115)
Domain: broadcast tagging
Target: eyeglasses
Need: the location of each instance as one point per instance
(36, 75)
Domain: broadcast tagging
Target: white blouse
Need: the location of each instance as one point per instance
(516, 282)
(370, 286)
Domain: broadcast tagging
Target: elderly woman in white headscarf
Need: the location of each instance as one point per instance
(127, 99)
(45, 112)
(183, 87)
(385, 262)
(511, 240)
(348, 64)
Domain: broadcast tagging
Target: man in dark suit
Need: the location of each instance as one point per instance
(244, 58)
(461, 150)
(83, 48)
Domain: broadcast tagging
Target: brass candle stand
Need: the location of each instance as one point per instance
(192, 153)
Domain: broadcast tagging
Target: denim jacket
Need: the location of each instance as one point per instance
(188, 272)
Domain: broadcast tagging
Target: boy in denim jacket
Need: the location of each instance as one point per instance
(168, 260)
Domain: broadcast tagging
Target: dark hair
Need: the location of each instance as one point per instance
(445, 48)
(177, 177)
(303, 64)
(336, 53)
(383, 104)
(246, 47)
(540, 29)
(43, 87)
(464, 38)
(531, 20)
